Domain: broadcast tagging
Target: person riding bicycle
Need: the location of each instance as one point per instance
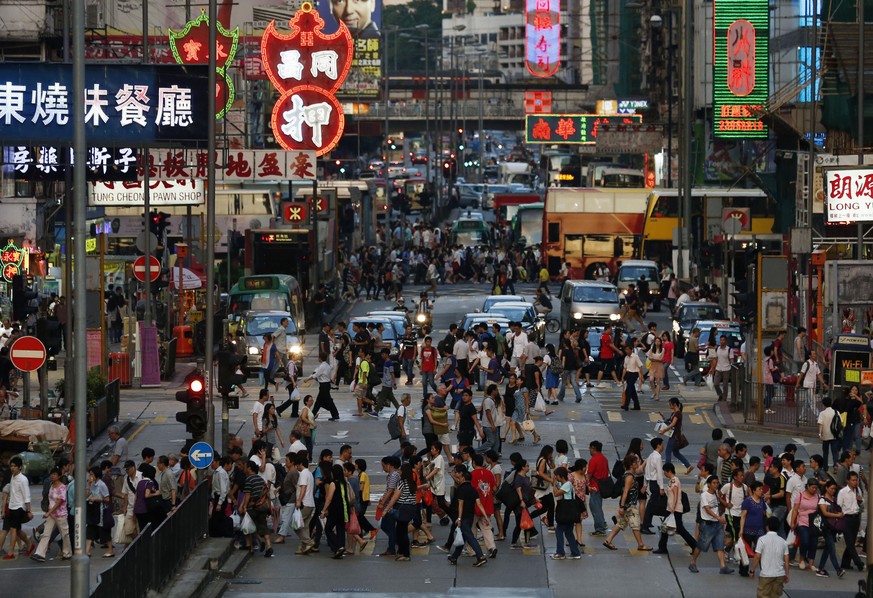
(542, 303)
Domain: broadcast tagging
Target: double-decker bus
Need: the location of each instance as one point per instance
(506, 205)
(587, 227)
(707, 213)
(527, 224)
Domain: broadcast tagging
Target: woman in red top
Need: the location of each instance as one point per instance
(669, 349)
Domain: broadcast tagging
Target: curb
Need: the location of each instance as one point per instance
(96, 457)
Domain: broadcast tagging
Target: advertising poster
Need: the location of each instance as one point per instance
(364, 20)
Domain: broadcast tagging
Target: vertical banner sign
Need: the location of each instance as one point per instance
(151, 363)
(542, 51)
(191, 46)
(363, 18)
(307, 67)
(741, 68)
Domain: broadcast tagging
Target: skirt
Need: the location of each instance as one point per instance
(552, 380)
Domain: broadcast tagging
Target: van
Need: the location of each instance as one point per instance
(588, 302)
(629, 273)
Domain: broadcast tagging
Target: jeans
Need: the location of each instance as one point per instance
(830, 549)
(389, 526)
(769, 389)
(722, 381)
(287, 513)
(851, 436)
(808, 536)
(671, 451)
(832, 447)
(407, 367)
(490, 442)
(571, 376)
(469, 538)
(483, 380)
(692, 366)
(595, 506)
(335, 531)
(564, 532)
(630, 390)
(427, 381)
(401, 534)
(806, 398)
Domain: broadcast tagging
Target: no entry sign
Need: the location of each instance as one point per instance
(27, 354)
(139, 268)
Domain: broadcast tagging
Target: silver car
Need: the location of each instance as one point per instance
(587, 302)
(253, 325)
(525, 313)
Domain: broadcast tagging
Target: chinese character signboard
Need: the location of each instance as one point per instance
(741, 67)
(124, 104)
(232, 165)
(10, 261)
(49, 163)
(191, 46)
(161, 193)
(363, 18)
(542, 44)
(570, 128)
(307, 67)
(849, 195)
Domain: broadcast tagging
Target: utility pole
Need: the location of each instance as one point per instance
(687, 165)
(210, 225)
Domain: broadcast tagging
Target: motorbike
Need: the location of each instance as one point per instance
(423, 320)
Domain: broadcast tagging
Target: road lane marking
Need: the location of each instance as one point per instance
(695, 418)
(138, 430)
(572, 429)
(655, 417)
(159, 419)
(614, 416)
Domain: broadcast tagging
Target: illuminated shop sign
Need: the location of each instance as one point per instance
(542, 43)
(571, 128)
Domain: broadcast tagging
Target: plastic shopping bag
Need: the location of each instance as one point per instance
(297, 520)
(670, 522)
(540, 404)
(118, 536)
(459, 538)
(660, 426)
(710, 384)
(237, 520)
(526, 521)
(248, 525)
(352, 386)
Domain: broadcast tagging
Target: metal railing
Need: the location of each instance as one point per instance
(781, 405)
(106, 411)
(152, 559)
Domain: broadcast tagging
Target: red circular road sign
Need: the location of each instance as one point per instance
(139, 268)
(27, 353)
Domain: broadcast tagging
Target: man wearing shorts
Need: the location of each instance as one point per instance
(19, 510)
(254, 489)
(711, 528)
(362, 376)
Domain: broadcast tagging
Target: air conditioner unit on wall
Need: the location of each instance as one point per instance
(94, 15)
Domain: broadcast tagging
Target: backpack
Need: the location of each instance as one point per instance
(837, 426)
(394, 427)
(280, 480)
(373, 377)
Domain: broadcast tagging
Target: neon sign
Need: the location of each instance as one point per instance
(307, 67)
(581, 129)
(191, 46)
(741, 66)
(542, 44)
(10, 261)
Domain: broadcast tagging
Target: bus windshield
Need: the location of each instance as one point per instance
(632, 273)
(588, 294)
(263, 301)
(261, 324)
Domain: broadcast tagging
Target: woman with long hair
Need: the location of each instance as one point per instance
(306, 423)
(543, 484)
(553, 380)
(832, 523)
(656, 356)
(270, 428)
(673, 432)
(522, 486)
(269, 361)
(335, 511)
(403, 501)
(636, 448)
(579, 480)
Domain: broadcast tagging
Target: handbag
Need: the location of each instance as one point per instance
(507, 495)
(528, 425)
(606, 486)
(538, 482)
(681, 441)
(353, 527)
(567, 512)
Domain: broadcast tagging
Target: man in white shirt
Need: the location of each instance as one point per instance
(850, 500)
(722, 375)
(829, 445)
(19, 510)
(809, 374)
(711, 528)
(654, 478)
(280, 339)
(221, 479)
(517, 339)
(305, 503)
(296, 442)
(258, 412)
(772, 551)
(734, 493)
(128, 486)
(796, 480)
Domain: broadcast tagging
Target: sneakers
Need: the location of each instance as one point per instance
(575, 557)
(725, 570)
(480, 561)
(693, 568)
(515, 546)
(37, 558)
(269, 553)
(442, 548)
(841, 572)
(595, 533)
(821, 573)
(558, 557)
(30, 550)
(492, 554)
(452, 560)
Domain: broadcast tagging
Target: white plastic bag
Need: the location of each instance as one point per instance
(670, 522)
(740, 553)
(865, 432)
(352, 386)
(540, 403)
(710, 384)
(296, 520)
(459, 538)
(248, 525)
(237, 520)
(791, 539)
(118, 536)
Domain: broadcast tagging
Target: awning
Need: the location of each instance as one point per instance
(190, 280)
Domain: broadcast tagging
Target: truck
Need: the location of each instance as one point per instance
(514, 172)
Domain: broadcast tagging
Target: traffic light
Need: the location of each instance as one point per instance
(194, 396)
(22, 299)
(159, 224)
(745, 303)
(49, 332)
(227, 377)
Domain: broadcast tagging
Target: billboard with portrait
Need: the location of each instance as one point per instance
(364, 20)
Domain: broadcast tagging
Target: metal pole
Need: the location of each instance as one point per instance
(385, 135)
(80, 578)
(688, 126)
(481, 128)
(146, 190)
(210, 223)
(670, 54)
(759, 329)
(861, 74)
(428, 154)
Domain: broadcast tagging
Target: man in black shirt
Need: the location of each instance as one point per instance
(570, 361)
(468, 421)
(324, 339)
(362, 337)
(468, 503)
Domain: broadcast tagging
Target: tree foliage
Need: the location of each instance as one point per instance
(406, 54)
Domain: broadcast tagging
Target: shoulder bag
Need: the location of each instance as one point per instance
(567, 512)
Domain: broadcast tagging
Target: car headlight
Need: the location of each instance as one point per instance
(421, 318)
(577, 315)
(296, 349)
(624, 292)
(614, 317)
(254, 351)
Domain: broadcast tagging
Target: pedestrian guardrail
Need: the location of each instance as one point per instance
(781, 405)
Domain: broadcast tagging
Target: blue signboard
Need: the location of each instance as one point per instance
(132, 105)
(201, 455)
